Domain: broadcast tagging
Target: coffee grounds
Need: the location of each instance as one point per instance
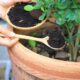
(19, 17)
(56, 39)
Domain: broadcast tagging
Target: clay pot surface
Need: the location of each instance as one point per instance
(41, 66)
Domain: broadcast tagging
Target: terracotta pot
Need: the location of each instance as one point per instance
(27, 65)
(26, 30)
(22, 29)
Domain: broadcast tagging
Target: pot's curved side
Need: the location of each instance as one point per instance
(20, 74)
(43, 67)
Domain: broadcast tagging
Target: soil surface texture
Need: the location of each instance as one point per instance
(19, 17)
(56, 39)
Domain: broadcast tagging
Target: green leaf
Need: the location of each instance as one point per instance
(42, 8)
(68, 40)
(42, 16)
(70, 15)
(62, 4)
(38, 4)
(77, 35)
(74, 4)
(60, 17)
(49, 3)
(77, 12)
(28, 8)
(71, 25)
(32, 43)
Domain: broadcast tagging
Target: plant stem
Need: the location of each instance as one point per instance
(71, 49)
(76, 43)
(71, 43)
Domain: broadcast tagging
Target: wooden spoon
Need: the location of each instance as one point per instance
(42, 40)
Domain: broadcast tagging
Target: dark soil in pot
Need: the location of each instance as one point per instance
(19, 17)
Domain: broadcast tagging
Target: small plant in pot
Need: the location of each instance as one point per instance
(45, 6)
(20, 18)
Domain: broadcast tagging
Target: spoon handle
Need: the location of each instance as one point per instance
(25, 37)
(28, 37)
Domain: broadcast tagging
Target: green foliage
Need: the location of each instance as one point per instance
(62, 4)
(60, 17)
(67, 15)
(68, 40)
(28, 7)
(32, 43)
(67, 11)
(42, 16)
(45, 6)
(77, 13)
